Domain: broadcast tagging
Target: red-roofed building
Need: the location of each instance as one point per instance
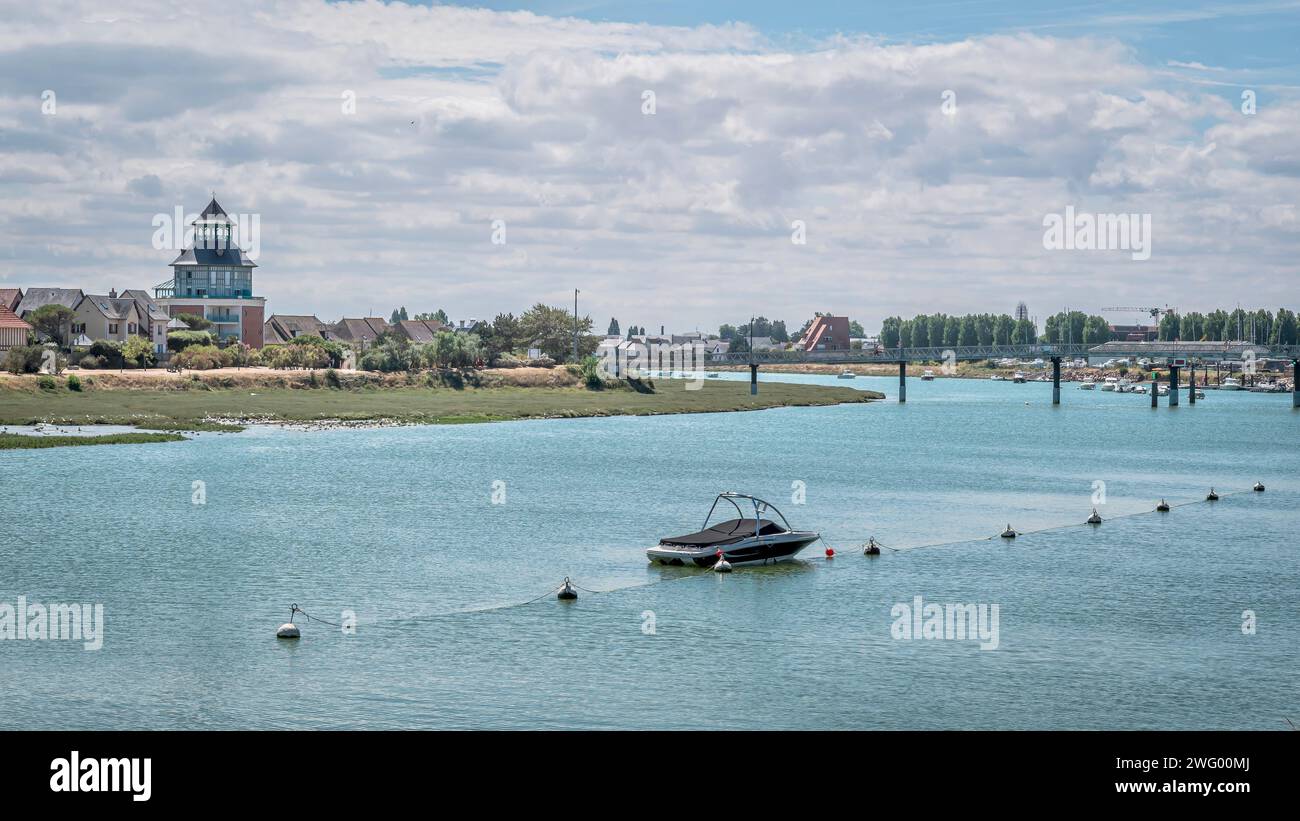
(10, 297)
(13, 331)
(827, 333)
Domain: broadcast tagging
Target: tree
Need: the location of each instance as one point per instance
(503, 337)
(138, 350)
(726, 332)
(437, 316)
(551, 329)
(890, 332)
(613, 328)
(50, 321)
(395, 317)
(856, 330)
(180, 340)
(194, 322)
(1024, 333)
(921, 331)
(1284, 328)
(1096, 331)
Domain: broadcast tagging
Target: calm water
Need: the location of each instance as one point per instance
(1135, 624)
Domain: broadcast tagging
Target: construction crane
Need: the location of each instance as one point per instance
(1154, 312)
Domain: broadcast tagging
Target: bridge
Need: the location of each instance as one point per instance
(1174, 355)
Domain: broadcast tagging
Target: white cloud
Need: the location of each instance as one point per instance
(681, 218)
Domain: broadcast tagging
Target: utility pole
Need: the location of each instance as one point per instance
(575, 325)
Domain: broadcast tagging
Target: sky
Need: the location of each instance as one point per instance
(682, 164)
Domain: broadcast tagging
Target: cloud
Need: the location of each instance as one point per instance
(681, 217)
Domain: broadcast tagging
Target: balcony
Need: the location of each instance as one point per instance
(223, 318)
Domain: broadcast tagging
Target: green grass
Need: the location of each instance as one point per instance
(18, 441)
(192, 410)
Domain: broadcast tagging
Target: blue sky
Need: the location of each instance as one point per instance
(1255, 40)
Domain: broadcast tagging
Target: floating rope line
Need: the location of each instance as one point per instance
(393, 623)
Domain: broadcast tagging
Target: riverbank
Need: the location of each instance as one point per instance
(20, 441)
(253, 396)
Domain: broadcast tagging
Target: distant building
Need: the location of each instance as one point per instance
(419, 330)
(10, 297)
(13, 330)
(1022, 312)
(1134, 333)
(34, 298)
(118, 317)
(214, 280)
(362, 331)
(282, 328)
(827, 333)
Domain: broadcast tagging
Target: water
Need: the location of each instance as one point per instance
(1134, 624)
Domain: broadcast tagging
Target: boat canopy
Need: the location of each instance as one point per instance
(733, 530)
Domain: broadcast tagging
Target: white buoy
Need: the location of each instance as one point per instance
(1259, 487)
(721, 565)
(288, 631)
(1094, 519)
(1212, 497)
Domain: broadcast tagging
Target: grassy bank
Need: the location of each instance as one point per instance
(206, 407)
(16, 441)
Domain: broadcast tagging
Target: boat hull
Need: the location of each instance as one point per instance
(764, 550)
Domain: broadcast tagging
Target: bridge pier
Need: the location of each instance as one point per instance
(1056, 380)
(1191, 384)
(1295, 383)
(753, 379)
(1173, 386)
(902, 381)
(1155, 390)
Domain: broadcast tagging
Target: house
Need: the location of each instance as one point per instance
(10, 297)
(154, 318)
(468, 326)
(34, 298)
(213, 279)
(109, 317)
(361, 331)
(13, 330)
(827, 333)
(419, 330)
(281, 328)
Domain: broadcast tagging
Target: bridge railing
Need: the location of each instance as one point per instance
(1227, 351)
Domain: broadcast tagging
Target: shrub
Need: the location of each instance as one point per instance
(108, 353)
(591, 373)
(508, 360)
(332, 378)
(24, 359)
(180, 340)
(74, 384)
(91, 362)
(46, 382)
(199, 358)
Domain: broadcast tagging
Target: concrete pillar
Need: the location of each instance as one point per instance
(753, 379)
(902, 381)
(1056, 380)
(1173, 386)
(1295, 383)
(1191, 385)
(1155, 391)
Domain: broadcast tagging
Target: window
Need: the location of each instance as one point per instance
(130, 328)
(112, 327)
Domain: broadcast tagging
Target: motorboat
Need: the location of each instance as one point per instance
(1162, 389)
(1124, 386)
(997, 377)
(1109, 384)
(1229, 384)
(1142, 389)
(928, 376)
(751, 538)
(846, 374)
(1018, 377)
(1088, 385)
(1263, 387)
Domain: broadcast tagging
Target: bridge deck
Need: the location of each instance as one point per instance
(1199, 351)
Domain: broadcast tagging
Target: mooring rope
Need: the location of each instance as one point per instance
(388, 623)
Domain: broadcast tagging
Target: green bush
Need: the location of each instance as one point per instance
(24, 359)
(200, 358)
(74, 384)
(591, 373)
(332, 378)
(180, 340)
(46, 382)
(109, 354)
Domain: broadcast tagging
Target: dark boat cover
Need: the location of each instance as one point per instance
(724, 533)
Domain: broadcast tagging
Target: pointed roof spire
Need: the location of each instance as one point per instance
(214, 213)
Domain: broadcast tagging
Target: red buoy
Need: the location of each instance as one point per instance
(830, 552)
